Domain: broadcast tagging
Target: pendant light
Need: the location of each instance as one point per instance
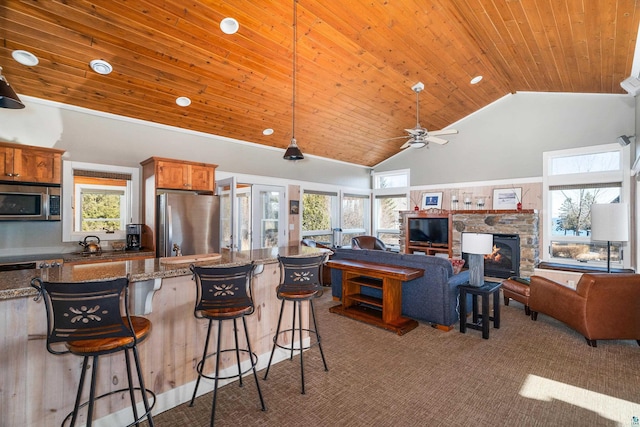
(293, 152)
(8, 97)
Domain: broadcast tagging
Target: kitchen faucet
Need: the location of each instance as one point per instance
(177, 250)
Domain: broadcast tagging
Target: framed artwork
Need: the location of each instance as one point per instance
(432, 200)
(294, 207)
(506, 198)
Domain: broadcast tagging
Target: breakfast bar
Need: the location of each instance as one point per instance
(36, 390)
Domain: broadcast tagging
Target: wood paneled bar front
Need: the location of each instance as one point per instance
(38, 388)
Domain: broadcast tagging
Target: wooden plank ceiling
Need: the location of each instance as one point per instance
(356, 62)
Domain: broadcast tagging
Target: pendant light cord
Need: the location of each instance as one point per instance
(293, 100)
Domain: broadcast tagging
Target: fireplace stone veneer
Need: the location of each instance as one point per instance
(524, 223)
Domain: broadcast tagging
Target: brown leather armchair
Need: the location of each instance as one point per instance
(604, 306)
(368, 242)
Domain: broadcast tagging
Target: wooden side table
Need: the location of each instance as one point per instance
(481, 320)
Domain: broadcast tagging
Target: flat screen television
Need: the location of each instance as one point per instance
(429, 231)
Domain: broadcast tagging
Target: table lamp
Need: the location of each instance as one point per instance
(610, 223)
(477, 245)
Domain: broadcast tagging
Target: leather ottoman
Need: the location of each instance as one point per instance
(515, 288)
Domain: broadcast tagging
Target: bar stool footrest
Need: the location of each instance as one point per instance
(122, 390)
(254, 362)
(290, 347)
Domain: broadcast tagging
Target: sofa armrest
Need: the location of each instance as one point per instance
(459, 279)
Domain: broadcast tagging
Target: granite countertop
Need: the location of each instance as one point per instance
(77, 256)
(16, 284)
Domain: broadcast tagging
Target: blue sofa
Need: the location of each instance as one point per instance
(432, 298)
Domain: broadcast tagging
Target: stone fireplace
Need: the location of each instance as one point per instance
(504, 260)
(524, 224)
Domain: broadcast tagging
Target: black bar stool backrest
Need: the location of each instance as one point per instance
(223, 288)
(299, 274)
(86, 311)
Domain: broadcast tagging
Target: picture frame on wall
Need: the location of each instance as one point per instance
(506, 198)
(294, 207)
(432, 200)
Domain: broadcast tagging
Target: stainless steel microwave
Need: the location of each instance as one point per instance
(20, 202)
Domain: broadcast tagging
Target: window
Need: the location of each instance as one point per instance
(318, 210)
(391, 194)
(100, 203)
(387, 225)
(98, 200)
(393, 179)
(573, 181)
(355, 217)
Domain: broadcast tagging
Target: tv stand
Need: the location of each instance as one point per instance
(427, 247)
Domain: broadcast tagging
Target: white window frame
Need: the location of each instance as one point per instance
(381, 193)
(367, 213)
(132, 195)
(334, 215)
(622, 175)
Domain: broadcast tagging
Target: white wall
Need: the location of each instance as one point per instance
(90, 136)
(507, 138)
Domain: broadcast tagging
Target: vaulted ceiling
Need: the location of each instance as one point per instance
(356, 62)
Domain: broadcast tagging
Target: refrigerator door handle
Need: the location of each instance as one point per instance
(168, 232)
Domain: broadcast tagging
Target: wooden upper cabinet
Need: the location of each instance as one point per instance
(181, 175)
(23, 163)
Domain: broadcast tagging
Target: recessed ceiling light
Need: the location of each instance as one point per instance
(229, 26)
(267, 132)
(25, 58)
(101, 66)
(476, 80)
(183, 101)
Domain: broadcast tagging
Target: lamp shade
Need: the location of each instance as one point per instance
(610, 222)
(477, 243)
(8, 97)
(293, 152)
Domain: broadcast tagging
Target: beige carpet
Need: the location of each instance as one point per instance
(527, 374)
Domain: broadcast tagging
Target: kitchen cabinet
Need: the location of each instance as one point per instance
(23, 163)
(180, 175)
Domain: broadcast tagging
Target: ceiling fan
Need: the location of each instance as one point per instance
(419, 136)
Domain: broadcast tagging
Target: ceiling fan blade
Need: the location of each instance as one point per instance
(406, 144)
(443, 132)
(391, 139)
(436, 140)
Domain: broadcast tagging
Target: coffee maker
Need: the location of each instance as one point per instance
(134, 236)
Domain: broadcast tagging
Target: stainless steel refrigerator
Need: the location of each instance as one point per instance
(187, 224)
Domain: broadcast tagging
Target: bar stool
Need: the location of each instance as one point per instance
(299, 281)
(224, 293)
(92, 319)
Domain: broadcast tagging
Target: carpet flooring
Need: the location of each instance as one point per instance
(526, 374)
